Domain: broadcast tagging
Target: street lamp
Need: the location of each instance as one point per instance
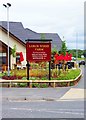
(7, 6)
(76, 48)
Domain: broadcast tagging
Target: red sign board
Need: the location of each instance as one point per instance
(38, 51)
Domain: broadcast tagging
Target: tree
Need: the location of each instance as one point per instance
(13, 51)
(80, 52)
(84, 53)
(42, 36)
(54, 50)
(63, 48)
(63, 52)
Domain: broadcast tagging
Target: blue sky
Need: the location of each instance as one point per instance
(65, 17)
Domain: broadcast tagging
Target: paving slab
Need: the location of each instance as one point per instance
(74, 93)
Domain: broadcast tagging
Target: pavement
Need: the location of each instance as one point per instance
(74, 94)
(50, 94)
(77, 92)
(33, 93)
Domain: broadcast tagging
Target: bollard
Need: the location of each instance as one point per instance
(54, 85)
(68, 84)
(10, 84)
(30, 84)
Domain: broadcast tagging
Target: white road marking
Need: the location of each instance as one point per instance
(45, 100)
(61, 111)
(27, 100)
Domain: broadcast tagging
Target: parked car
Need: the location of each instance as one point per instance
(70, 65)
(73, 58)
(81, 63)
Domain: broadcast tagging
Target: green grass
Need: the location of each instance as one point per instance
(80, 58)
(72, 74)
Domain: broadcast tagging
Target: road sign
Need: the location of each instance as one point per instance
(38, 51)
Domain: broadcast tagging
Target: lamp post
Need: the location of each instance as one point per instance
(7, 6)
(76, 48)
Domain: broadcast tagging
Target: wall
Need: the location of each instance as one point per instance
(13, 41)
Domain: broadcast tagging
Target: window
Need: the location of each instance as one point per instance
(2, 58)
(18, 58)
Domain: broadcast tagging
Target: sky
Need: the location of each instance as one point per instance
(64, 17)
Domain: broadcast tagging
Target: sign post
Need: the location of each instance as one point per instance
(49, 70)
(28, 67)
(38, 51)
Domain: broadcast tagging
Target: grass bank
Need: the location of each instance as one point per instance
(71, 74)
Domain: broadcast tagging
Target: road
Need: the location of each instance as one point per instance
(62, 102)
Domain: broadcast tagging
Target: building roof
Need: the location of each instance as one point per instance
(17, 29)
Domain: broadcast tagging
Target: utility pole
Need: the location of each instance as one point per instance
(76, 48)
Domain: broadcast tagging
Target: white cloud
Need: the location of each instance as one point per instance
(79, 46)
(65, 17)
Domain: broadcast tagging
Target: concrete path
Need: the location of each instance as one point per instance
(78, 91)
(73, 94)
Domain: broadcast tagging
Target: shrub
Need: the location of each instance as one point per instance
(44, 85)
(63, 84)
(9, 77)
(36, 85)
(24, 78)
(19, 77)
(22, 84)
(71, 84)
